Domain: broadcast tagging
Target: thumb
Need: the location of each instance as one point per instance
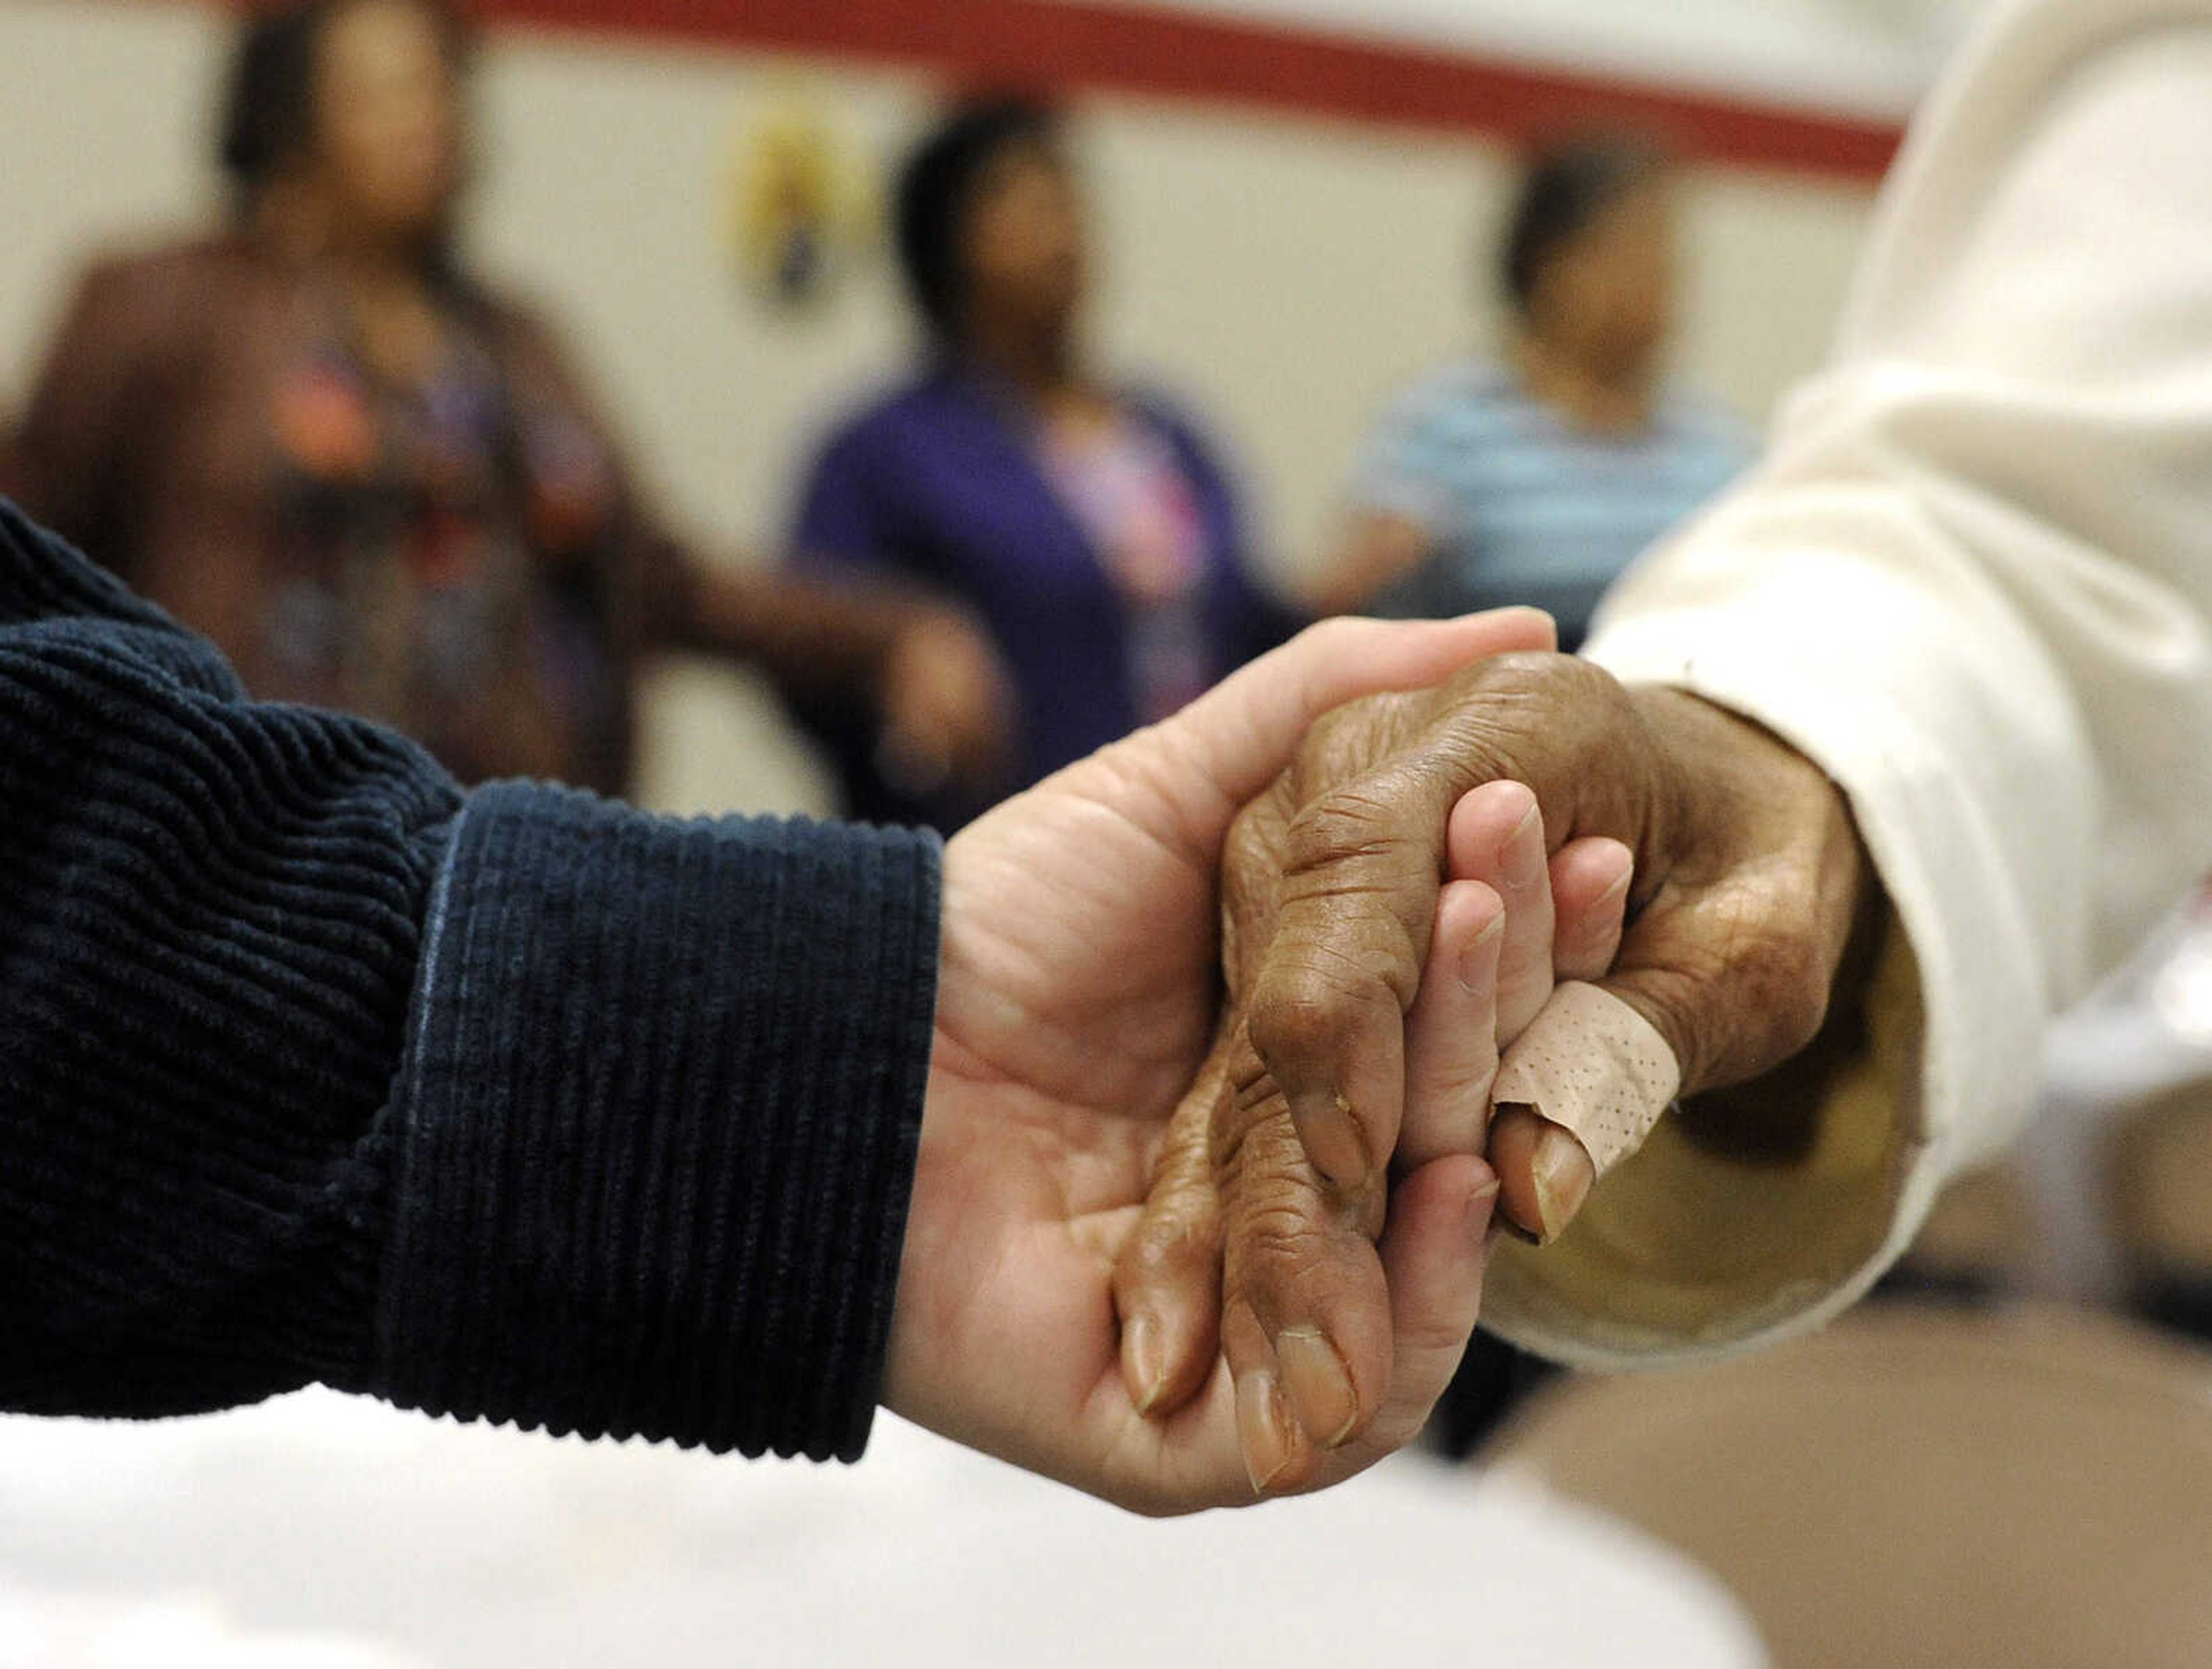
(1577, 1093)
(1245, 730)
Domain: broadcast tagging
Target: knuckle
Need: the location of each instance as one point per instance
(1351, 738)
(1342, 825)
(1774, 967)
(1788, 984)
(1522, 672)
(1566, 678)
(1280, 1225)
(1523, 960)
(1525, 674)
(1280, 1247)
(1164, 1242)
(1563, 704)
(1452, 1090)
(1184, 1207)
(1757, 995)
(1429, 1337)
(1305, 1010)
(1241, 1117)
(1320, 996)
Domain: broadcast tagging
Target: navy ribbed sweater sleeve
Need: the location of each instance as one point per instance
(518, 1106)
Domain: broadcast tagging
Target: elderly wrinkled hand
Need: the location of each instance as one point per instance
(1350, 890)
(1077, 996)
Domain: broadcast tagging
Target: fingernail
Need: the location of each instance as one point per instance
(1522, 867)
(1562, 1175)
(1481, 1213)
(1320, 1389)
(1332, 1139)
(1144, 1363)
(1262, 1428)
(1478, 967)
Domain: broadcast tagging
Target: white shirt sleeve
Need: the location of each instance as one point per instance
(1971, 579)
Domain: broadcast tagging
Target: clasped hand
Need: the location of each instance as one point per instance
(1208, 1167)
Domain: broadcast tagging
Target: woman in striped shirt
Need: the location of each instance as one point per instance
(1537, 476)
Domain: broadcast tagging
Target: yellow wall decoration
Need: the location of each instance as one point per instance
(803, 206)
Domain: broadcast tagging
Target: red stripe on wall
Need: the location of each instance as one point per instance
(1041, 43)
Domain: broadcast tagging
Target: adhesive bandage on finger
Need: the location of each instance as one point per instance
(1595, 1066)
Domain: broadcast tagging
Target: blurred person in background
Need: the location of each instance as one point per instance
(374, 481)
(1089, 525)
(1539, 477)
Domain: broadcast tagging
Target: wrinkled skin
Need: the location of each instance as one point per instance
(1748, 881)
(1077, 996)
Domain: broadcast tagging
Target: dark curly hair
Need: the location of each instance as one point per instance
(267, 117)
(937, 188)
(1567, 186)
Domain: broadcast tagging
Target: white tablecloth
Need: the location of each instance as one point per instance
(319, 1533)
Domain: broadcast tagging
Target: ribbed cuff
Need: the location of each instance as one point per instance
(657, 1124)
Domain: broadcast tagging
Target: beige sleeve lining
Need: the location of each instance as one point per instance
(1683, 1251)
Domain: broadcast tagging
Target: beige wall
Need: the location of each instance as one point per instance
(1279, 274)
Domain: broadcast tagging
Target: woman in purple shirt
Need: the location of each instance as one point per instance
(1089, 527)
